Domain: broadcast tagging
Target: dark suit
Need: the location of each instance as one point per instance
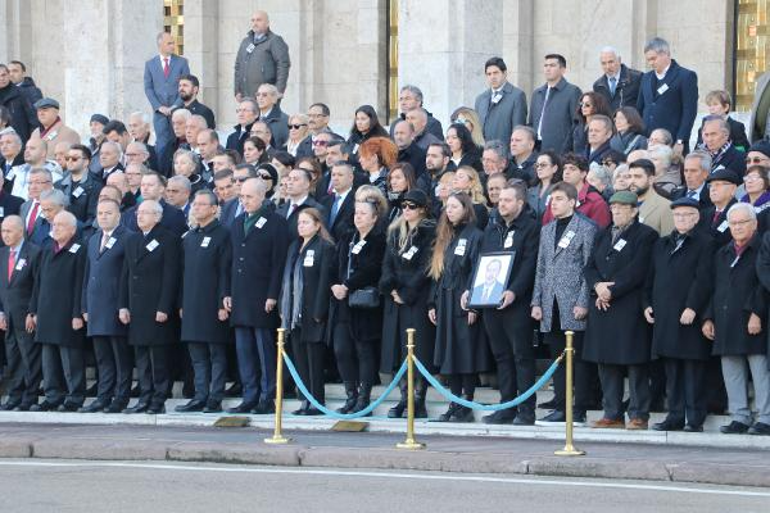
(101, 302)
(291, 220)
(197, 108)
(149, 283)
(56, 301)
(716, 225)
(236, 139)
(278, 121)
(626, 89)
(557, 109)
(258, 257)
(83, 197)
(342, 225)
(733, 159)
(703, 198)
(415, 156)
(671, 103)
(5, 168)
(206, 268)
(9, 206)
(173, 219)
(22, 353)
(229, 211)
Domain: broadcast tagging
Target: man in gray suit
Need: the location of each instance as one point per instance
(161, 86)
(554, 105)
(561, 295)
(263, 58)
(502, 106)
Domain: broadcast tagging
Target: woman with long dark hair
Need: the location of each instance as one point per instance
(548, 170)
(365, 125)
(401, 180)
(590, 105)
(455, 251)
(305, 301)
(464, 150)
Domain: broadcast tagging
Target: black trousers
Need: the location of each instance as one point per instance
(515, 368)
(309, 358)
(64, 374)
(356, 359)
(209, 362)
(24, 365)
(612, 378)
(154, 377)
(113, 362)
(685, 388)
(583, 372)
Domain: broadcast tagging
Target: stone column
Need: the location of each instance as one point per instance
(201, 48)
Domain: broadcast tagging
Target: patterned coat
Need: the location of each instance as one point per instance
(559, 276)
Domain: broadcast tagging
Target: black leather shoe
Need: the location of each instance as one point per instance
(524, 419)
(313, 412)
(190, 406)
(10, 406)
(548, 405)
(137, 408)
(499, 418)
(156, 409)
(397, 411)
(760, 428)
(68, 407)
(213, 406)
(115, 407)
(44, 406)
(303, 407)
(668, 425)
(689, 428)
(93, 390)
(23, 407)
(555, 417)
(96, 406)
(241, 408)
(136, 391)
(264, 408)
(447, 415)
(734, 428)
(463, 414)
(235, 390)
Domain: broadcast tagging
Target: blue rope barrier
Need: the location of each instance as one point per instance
(331, 413)
(449, 396)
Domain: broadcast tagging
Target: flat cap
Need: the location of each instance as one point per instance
(625, 198)
(685, 202)
(47, 103)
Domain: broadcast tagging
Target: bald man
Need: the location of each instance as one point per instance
(263, 58)
(55, 312)
(18, 268)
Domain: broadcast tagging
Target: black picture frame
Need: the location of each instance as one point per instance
(491, 296)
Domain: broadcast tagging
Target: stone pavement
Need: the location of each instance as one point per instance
(487, 454)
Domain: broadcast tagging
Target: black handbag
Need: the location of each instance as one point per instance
(367, 297)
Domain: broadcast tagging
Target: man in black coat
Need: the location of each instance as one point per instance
(722, 185)
(56, 314)
(260, 240)
(153, 188)
(408, 151)
(716, 140)
(297, 199)
(79, 186)
(106, 251)
(616, 336)
(697, 168)
(206, 267)
(736, 322)
(247, 113)
(148, 297)
(619, 84)
(19, 261)
(10, 205)
(509, 325)
(677, 294)
(189, 86)
(23, 116)
(340, 205)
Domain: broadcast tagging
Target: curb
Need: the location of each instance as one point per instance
(382, 459)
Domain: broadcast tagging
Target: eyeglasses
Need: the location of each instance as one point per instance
(72, 159)
(320, 143)
(751, 177)
(541, 165)
(409, 206)
(586, 104)
(755, 160)
(297, 126)
(241, 179)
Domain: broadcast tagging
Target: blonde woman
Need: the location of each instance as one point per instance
(470, 119)
(467, 180)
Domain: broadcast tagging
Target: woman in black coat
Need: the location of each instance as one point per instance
(405, 285)
(458, 241)
(464, 150)
(305, 301)
(401, 180)
(357, 329)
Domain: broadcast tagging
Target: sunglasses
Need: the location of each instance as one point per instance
(72, 159)
(241, 179)
(265, 176)
(410, 206)
(297, 126)
(321, 143)
(585, 104)
(754, 160)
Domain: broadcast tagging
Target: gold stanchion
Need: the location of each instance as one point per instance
(569, 448)
(410, 443)
(278, 437)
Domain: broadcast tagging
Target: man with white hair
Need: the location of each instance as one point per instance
(52, 315)
(423, 137)
(178, 193)
(263, 58)
(11, 155)
(716, 140)
(179, 121)
(619, 84)
(668, 94)
(110, 158)
(270, 112)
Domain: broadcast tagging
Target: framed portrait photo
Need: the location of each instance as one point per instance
(490, 279)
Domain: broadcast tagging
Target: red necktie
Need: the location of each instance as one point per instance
(32, 218)
(716, 217)
(11, 263)
(166, 67)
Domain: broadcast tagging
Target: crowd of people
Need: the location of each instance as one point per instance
(575, 211)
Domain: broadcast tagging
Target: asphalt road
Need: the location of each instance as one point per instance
(74, 486)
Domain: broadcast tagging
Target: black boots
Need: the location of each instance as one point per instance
(351, 391)
(364, 397)
(398, 410)
(420, 393)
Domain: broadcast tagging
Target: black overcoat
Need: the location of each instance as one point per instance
(206, 266)
(621, 335)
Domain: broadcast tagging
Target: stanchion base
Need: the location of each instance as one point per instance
(410, 445)
(277, 440)
(569, 450)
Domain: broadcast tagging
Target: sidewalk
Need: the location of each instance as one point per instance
(488, 455)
